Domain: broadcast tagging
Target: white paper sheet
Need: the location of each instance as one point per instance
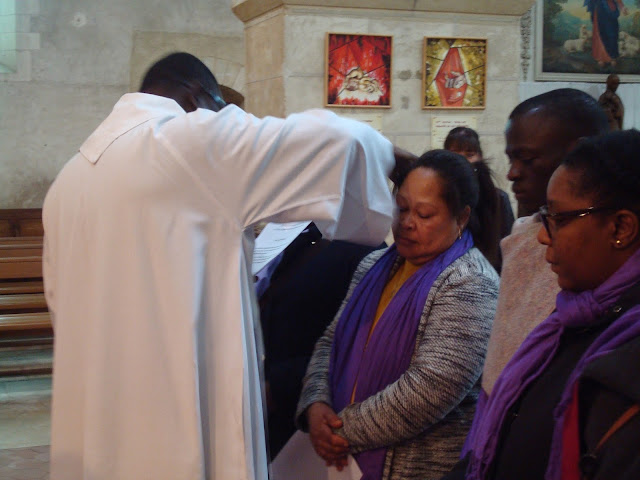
(298, 460)
(273, 239)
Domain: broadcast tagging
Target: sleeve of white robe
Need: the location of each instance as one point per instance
(310, 166)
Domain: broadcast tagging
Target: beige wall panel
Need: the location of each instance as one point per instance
(265, 97)
(303, 93)
(264, 42)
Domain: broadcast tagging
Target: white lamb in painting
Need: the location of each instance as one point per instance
(575, 45)
(628, 45)
(578, 44)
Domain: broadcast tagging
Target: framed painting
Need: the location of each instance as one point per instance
(358, 70)
(586, 40)
(454, 73)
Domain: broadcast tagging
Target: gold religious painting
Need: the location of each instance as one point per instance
(454, 73)
(358, 70)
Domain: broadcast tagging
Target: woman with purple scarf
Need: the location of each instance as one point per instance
(566, 405)
(394, 379)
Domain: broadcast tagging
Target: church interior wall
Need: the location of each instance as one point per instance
(74, 62)
(75, 59)
(406, 123)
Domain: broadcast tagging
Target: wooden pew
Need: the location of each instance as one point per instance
(23, 308)
(21, 222)
(17, 322)
(21, 286)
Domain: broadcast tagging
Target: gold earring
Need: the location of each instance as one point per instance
(459, 233)
(618, 242)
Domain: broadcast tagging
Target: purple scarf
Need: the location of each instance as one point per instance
(389, 350)
(535, 353)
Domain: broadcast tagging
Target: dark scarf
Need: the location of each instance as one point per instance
(531, 359)
(386, 355)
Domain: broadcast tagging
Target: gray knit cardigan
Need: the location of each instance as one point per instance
(424, 416)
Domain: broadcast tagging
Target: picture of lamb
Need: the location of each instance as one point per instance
(580, 44)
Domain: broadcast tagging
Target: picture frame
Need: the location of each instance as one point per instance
(564, 41)
(358, 70)
(454, 73)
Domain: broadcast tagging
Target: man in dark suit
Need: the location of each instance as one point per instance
(304, 294)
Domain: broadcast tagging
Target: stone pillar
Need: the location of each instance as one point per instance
(285, 59)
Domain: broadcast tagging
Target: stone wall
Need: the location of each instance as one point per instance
(75, 59)
(285, 50)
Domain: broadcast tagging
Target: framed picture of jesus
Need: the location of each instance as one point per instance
(586, 40)
(358, 70)
(454, 73)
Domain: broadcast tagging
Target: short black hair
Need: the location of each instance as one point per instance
(178, 68)
(575, 111)
(463, 138)
(609, 169)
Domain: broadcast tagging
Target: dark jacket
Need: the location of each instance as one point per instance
(304, 295)
(608, 387)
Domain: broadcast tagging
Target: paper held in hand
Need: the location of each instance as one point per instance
(298, 460)
(273, 239)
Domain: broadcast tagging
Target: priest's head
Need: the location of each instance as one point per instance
(185, 79)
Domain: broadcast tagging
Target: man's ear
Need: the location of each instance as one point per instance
(189, 97)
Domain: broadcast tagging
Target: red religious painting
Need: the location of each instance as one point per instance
(358, 70)
(454, 73)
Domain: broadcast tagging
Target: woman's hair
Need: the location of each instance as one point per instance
(466, 139)
(608, 168)
(461, 187)
(463, 139)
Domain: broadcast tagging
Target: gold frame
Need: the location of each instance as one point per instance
(368, 86)
(475, 93)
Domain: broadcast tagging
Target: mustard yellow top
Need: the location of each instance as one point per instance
(391, 288)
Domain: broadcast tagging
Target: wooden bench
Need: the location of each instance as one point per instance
(22, 302)
(13, 322)
(23, 307)
(21, 286)
(21, 222)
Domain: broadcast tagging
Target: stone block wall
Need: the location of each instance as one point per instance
(285, 51)
(75, 59)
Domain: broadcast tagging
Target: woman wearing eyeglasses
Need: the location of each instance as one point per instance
(566, 405)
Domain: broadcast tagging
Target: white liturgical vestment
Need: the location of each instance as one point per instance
(148, 246)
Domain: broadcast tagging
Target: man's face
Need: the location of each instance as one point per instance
(535, 146)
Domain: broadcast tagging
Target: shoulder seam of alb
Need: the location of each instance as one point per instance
(198, 181)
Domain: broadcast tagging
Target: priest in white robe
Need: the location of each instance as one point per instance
(148, 246)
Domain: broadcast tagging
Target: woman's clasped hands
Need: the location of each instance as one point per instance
(332, 447)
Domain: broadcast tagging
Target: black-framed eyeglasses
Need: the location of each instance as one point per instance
(219, 102)
(550, 220)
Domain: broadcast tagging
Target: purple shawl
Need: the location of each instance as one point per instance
(388, 353)
(535, 353)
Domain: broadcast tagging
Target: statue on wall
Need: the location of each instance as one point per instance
(611, 103)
